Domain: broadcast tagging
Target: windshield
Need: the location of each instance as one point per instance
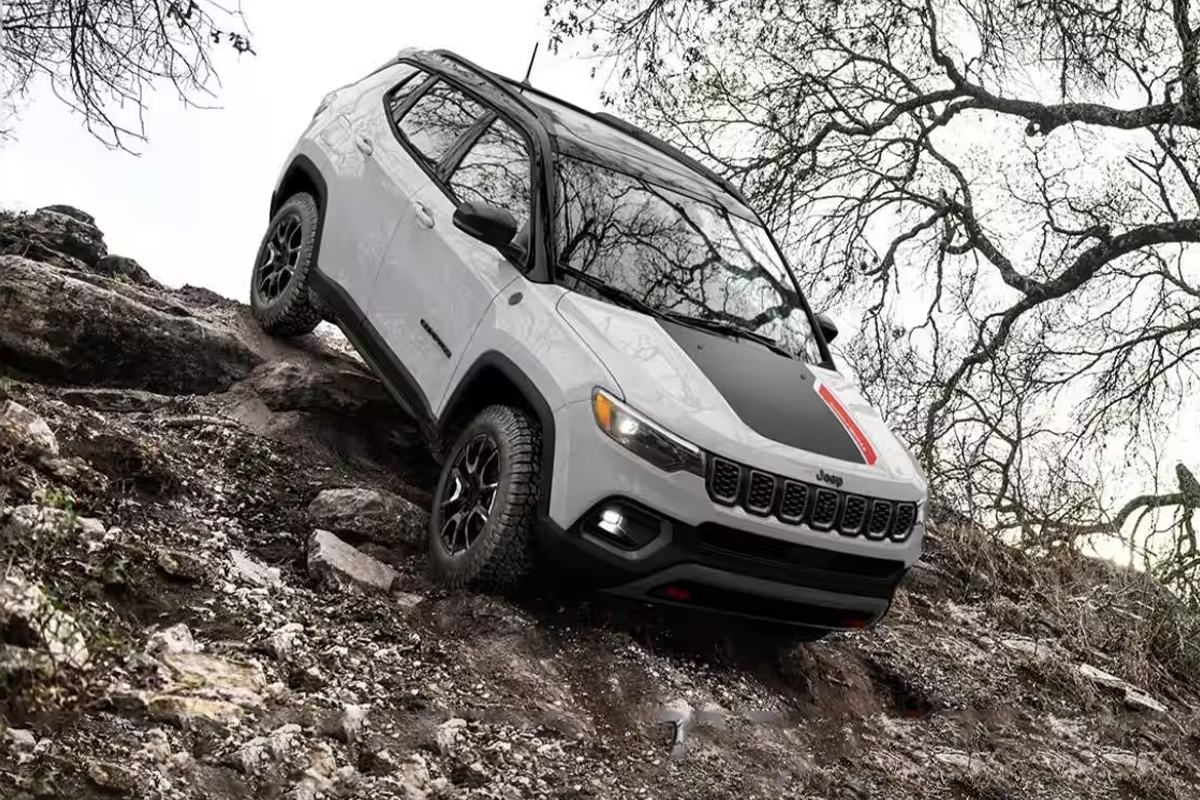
(676, 254)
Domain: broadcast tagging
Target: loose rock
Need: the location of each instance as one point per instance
(25, 434)
(448, 735)
(175, 639)
(283, 640)
(189, 712)
(182, 564)
(112, 776)
(211, 676)
(25, 606)
(353, 718)
(251, 571)
(1134, 697)
(62, 229)
(20, 739)
(337, 563)
(415, 783)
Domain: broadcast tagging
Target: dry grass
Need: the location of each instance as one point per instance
(1149, 634)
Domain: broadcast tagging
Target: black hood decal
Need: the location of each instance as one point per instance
(771, 393)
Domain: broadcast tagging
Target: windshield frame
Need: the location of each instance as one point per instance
(557, 275)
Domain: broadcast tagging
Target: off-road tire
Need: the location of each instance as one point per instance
(293, 311)
(501, 558)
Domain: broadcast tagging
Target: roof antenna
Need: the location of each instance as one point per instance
(529, 70)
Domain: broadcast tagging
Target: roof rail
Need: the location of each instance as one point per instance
(504, 84)
(498, 81)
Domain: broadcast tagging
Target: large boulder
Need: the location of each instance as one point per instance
(68, 330)
(368, 514)
(319, 384)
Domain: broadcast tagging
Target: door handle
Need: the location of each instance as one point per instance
(364, 144)
(424, 216)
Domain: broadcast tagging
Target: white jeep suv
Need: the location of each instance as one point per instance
(602, 341)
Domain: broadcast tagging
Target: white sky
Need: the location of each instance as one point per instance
(192, 207)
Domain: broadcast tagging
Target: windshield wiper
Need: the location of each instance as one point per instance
(612, 292)
(719, 326)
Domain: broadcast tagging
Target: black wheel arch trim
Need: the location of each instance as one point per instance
(493, 359)
(303, 164)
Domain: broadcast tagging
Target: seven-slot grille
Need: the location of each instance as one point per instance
(819, 507)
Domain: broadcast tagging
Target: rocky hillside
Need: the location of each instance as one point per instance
(210, 588)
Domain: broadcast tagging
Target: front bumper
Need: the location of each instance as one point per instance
(703, 555)
(720, 569)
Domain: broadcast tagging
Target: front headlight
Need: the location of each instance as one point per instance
(644, 438)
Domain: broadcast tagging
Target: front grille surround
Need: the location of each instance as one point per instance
(821, 508)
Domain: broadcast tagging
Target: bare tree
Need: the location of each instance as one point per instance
(102, 57)
(1007, 190)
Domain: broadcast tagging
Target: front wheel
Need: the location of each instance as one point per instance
(485, 505)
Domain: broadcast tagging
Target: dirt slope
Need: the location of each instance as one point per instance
(171, 628)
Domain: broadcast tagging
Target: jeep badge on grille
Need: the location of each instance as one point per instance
(832, 480)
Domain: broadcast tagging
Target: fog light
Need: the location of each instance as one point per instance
(624, 526)
(611, 521)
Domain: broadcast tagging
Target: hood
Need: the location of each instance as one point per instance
(740, 399)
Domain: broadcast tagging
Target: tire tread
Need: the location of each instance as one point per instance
(294, 313)
(508, 562)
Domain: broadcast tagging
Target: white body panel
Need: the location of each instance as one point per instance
(436, 274)
(531, 335)
(379, 181)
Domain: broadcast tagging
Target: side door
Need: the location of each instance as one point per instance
(368, 200)
(435, 282)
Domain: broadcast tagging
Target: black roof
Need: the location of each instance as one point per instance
(613, 142)
(626, 148)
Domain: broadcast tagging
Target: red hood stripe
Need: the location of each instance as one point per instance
(856, 433)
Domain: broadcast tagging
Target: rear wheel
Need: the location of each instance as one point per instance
(279, 292)
(485, 505)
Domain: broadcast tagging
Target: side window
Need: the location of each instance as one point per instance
(435, 121)
(404, 91)
(496, 171)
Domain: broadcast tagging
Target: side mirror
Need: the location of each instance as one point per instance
(488, 224)
(828, 329)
